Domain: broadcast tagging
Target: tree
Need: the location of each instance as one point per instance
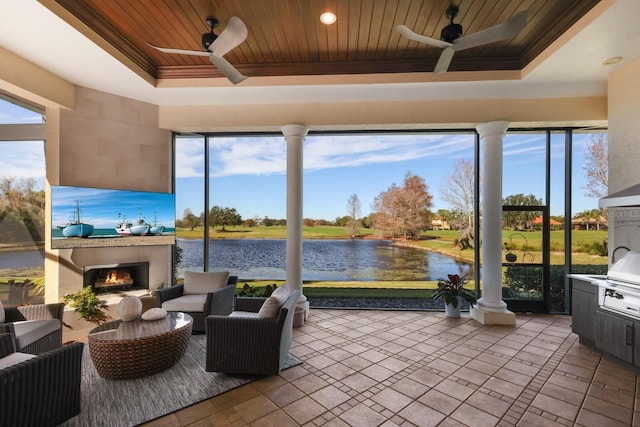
(189, 219)
(458, 190)
(223, 217)
(21, 207)
(403, 211)
(520, 220)
(353, 212)
(341, 221)
(596, 166)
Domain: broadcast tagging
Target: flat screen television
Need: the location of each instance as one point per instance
(98, 217)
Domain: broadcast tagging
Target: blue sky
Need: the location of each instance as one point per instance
(248, 174)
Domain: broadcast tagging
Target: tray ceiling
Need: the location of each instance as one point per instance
(286, 37)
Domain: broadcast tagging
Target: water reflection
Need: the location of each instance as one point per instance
(333, 260)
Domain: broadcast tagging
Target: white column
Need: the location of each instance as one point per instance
(295, 135)
(490, 309)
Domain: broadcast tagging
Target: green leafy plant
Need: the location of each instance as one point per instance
(252, 291)
(450, 289)
(88, 305)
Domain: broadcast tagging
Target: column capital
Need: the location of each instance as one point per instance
(295, 130)
(489, 128)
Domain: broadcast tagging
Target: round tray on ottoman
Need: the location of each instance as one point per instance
(139, 348)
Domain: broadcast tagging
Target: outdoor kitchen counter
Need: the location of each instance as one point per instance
(612, 332)
(594, 279)
(584, 301)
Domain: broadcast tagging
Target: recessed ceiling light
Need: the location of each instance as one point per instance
(328, 18)
(612, 61)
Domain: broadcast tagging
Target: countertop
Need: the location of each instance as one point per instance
(594, 279)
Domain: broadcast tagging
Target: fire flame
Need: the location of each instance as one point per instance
(117, 276)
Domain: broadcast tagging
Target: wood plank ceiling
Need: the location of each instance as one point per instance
(286, 37)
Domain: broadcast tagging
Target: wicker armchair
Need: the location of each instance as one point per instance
(219, 301)
(41, 390)
(250, 345)
(35, 328)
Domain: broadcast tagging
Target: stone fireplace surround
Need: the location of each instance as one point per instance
(70, 265)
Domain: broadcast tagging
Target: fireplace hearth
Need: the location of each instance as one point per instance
(112, 277)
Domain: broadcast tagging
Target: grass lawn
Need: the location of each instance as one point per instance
(386, 289)
(442, 241)
(271, 232)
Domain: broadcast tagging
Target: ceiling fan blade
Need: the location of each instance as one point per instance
(227, 69)
(235, 33)
(406, 32)
(180, 51)
(445, 59)
(503, 31)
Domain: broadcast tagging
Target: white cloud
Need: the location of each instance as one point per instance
(189, 157)
(248, 156)
(22, 159)
(13, 114)
(267, 155)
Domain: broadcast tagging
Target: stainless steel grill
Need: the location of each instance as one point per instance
(621, 290)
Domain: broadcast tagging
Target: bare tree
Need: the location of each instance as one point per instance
(21, 208)
(596, 166)
(353, 212)
(457, 189)
(403, 210)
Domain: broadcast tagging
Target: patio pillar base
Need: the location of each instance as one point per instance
(303, 303)
(489, 317)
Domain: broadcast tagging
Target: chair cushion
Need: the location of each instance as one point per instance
(204, 282)
(30, 331)
(186, 303)
(14, 358)
(282, 293)
(271, 306)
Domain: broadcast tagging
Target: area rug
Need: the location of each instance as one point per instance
(131, 402)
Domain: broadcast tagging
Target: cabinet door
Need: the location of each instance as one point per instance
(583, 312)
(615, 335)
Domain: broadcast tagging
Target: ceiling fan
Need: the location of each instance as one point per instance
(216, 46)
(451, 39)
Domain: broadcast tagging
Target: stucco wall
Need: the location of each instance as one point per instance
(106, 141)
(624, 128)
(467, 113)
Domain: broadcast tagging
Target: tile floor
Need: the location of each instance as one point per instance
(407, 368)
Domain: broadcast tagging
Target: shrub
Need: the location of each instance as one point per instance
(88, 305)
(530, 278)
(592, 248)
(252, 291)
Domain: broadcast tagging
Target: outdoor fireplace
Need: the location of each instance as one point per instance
(111, 277)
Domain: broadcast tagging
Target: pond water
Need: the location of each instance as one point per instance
(331, 260)
(22, 259)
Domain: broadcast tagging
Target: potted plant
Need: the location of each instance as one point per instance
(452, 292)
(88, 305)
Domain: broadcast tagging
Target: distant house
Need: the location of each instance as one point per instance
(584, 223)
(538, 221)
(440, 224)
(555, 225)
